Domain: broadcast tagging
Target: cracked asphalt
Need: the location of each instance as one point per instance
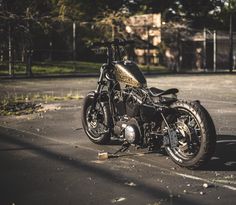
(45, 158)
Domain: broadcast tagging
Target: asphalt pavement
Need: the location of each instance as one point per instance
(46, 158)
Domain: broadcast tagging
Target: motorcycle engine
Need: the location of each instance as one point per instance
(128, 129)
(133, 112)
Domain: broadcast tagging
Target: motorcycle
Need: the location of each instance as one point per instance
(123, 107)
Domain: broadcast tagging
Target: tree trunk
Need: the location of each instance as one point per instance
(29, 55)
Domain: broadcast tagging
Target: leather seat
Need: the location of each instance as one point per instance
(155, 92)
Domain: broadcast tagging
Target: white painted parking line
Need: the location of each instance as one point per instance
(214, 182)
(220, 101)
(206, 180)
(225, 141)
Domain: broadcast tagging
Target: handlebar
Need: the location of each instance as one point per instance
(112, 48)
(116, 42)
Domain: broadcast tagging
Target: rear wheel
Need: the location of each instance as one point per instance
(96, 121)
(194, 135)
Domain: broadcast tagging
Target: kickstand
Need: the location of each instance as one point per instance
(123, 148)
(106, 155)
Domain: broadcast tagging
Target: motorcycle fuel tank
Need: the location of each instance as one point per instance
(127, 72)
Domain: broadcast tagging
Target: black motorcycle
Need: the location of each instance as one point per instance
(124, 108)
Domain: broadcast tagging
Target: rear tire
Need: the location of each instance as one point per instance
(96, 126)
(196, 135)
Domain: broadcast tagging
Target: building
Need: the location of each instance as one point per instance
(147, 29)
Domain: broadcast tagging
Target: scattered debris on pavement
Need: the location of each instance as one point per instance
(29, 104)
(205, 185)
(103, 155)
(130, 184)
(118, 200)
(18, 108)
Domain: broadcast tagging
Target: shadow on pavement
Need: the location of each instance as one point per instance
(114, 178)
(224, 158)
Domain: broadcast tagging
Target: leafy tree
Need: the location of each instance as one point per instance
(228, 9)
(150, 6)
(20, 16)
(201, 13)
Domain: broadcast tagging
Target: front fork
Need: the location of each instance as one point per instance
(101, 83)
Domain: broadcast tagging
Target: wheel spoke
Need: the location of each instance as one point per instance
(95, 121)
(189, 135)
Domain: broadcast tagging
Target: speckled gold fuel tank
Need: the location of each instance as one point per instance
(127, 72)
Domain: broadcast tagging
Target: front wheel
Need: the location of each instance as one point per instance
(96, 121)
(194, 132)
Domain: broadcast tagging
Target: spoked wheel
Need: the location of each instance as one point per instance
(193, 136)
(96, 121)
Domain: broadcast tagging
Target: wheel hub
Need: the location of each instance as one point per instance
(93, 120)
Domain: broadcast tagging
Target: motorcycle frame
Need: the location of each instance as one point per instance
(106, 71)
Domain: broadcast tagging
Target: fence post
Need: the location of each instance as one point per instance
(179, 46)
(204, 49)
(50, 50)
(29, 62)
(74, 38)
(10, 67)
(148, 48)
(230, 43)
(29, 52)
(214, 51)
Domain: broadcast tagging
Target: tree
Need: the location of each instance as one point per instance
(201, 13)
(20, 15)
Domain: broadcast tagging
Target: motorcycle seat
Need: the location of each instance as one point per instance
(155, 92)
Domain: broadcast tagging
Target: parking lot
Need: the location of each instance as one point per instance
(46, 157)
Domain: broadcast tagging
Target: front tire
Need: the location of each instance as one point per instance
(96, 123)
(196, 135)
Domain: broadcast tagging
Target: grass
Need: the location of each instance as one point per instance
(30, 103)
(19, 68)
(37, 97)
(18, 108)
(68, 67)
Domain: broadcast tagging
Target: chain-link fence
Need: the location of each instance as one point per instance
(208, 50)
(64, 48)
